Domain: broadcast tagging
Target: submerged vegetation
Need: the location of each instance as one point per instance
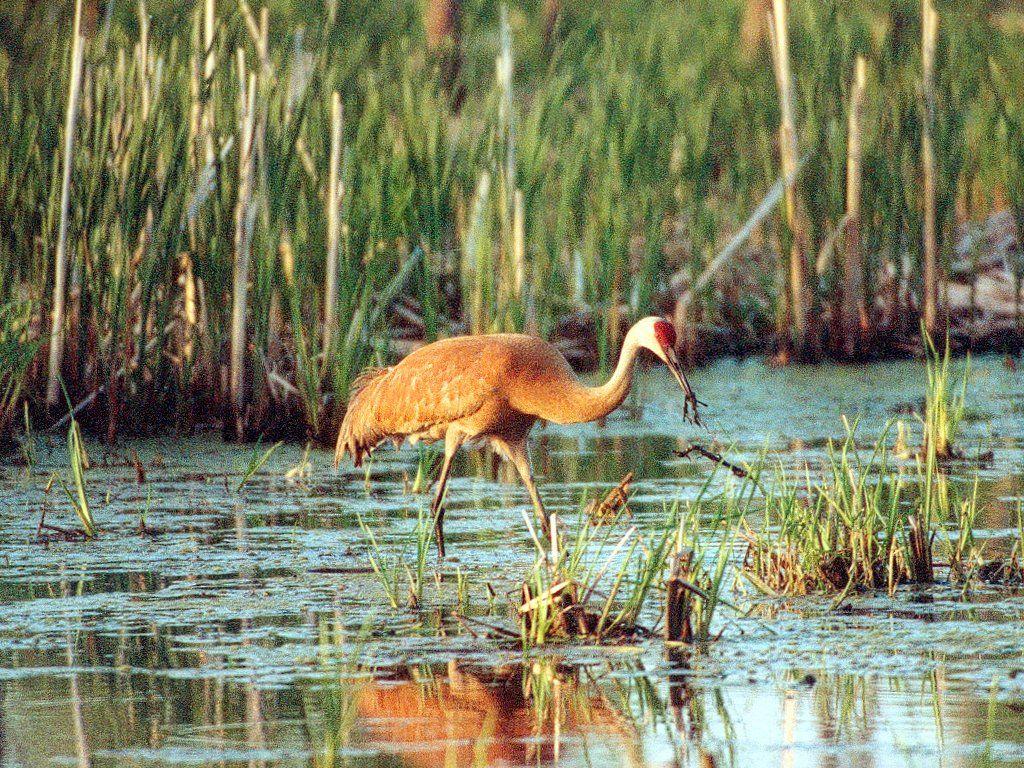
(223, 211)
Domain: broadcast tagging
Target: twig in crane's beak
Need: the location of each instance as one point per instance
(691, 399)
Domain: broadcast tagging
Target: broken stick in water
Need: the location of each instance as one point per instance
(715, 457)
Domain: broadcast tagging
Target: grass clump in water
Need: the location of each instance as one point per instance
(596, 586)
(696, 580)
(848, 528)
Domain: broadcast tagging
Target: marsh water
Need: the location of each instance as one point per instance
(246, 628)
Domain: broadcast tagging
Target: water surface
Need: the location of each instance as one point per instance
(250, 630)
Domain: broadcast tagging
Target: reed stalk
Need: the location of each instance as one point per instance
(244, 221)
(60, 257)
(930, 249)
(854, 309)
(798, 299)
(335, 192)
(209, 67)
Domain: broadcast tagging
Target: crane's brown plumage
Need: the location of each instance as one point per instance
(492, 388)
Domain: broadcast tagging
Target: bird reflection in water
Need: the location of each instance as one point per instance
(507, 715)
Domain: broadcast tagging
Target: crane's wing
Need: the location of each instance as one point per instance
(430, 389)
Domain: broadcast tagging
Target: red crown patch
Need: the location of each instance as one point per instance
(665, 334)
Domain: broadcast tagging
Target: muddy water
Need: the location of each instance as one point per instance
(249, 630)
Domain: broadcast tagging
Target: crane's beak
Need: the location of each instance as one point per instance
(690, 406)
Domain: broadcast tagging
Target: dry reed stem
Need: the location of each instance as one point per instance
(333, 202)
(854, 308)
(243, 242)
(929, 34)
(788, 151)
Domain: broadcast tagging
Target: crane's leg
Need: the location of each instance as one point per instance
(519, 455)
(452, 441)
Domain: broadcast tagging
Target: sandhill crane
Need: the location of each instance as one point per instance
(491, 388)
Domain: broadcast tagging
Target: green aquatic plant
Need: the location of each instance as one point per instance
(427, 462)
(944, 400)
(255, 464)
(561, 597)
(79, 462)
(387, 572)
(76, 492)
(595, 583)
(965, 556)
(389, 569)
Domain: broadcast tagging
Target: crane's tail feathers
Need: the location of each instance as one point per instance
(357, 435)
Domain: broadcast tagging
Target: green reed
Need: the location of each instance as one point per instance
(390, 568)
(76, 491)
(17, 351)
(944, 400)
(256, 462)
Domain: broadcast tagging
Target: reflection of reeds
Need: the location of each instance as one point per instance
(77, 718)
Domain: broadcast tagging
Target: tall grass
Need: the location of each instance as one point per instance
(231, 245)
(17, 350)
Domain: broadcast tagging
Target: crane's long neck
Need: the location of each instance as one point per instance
(596, 402)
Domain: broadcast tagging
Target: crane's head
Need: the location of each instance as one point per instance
(658, 335)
